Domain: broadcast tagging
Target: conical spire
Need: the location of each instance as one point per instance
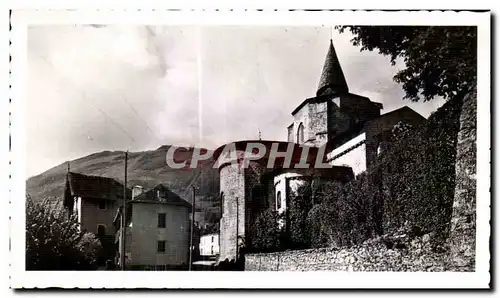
(332, 78)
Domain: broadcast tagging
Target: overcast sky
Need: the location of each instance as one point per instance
(91, 89)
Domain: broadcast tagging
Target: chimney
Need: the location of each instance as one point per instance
(137, 190)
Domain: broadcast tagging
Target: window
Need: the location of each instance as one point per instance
(212, 251)
(162, 220)
(161, 246)
(212, 239)
(300, 134)
(102, 204)
(278, 201)
(160, 194)
(101, 230)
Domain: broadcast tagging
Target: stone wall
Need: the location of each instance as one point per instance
(232, 187)
(386, 253)
(318, 123)
(463, 222)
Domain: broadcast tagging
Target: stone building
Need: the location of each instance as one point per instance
(157, 229)
(351, 130)
(247, 191)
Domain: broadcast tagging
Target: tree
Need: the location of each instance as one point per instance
(439, 60)
(54, 241)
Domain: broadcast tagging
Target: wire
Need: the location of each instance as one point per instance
(91, 100)
(152, 33)
(142, 120)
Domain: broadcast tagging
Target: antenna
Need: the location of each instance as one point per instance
(260, 135)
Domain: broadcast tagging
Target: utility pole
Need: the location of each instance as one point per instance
(192, 229)
(123, 220)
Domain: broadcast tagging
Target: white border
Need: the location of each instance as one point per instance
(104, 279)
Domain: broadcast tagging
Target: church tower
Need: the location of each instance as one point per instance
(334, 112)
(332, 80)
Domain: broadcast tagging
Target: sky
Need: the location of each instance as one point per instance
(96, 88)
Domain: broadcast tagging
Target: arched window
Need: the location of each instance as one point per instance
(300, 134)
(278, 201)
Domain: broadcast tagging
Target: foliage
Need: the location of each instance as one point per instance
(54, 240)
(266, 233)
(299, 205)
(345, 215)
(419, 175)
(411, 184)
(439, 60)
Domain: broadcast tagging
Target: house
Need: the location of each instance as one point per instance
(209, 241)
(157, 228)
(94, 200)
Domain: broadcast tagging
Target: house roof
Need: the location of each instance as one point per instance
(170, 197)
(332, 78)
(95, 187)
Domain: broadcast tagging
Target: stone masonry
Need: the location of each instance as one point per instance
(387, 253)
(462, 239)
(232, 187)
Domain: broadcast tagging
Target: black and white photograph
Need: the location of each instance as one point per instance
(291, 145)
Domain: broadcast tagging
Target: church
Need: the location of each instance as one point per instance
(351, 128)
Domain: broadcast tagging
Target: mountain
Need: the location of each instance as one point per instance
(146, 168)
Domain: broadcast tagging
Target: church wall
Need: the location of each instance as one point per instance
(376, 129)
(302, 116)
(290, 133)
(338, 121)
(252, 180)
(280, 186)
(318, 123)
(232, 187)
(362, 107)
(352, 154)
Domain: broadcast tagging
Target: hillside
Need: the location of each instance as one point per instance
(147, 168)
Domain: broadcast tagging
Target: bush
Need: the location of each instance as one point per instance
(54, 240)
(345, 216)
(266, 234)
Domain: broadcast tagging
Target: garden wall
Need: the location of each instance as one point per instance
(397, 253)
